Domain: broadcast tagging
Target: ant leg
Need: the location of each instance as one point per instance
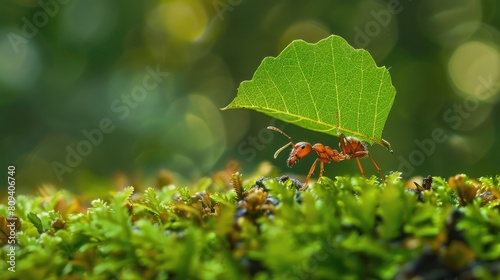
(311, 171)
(360, 168)
(377, 167)
(343, 146)
(321, 169)
(342, 143)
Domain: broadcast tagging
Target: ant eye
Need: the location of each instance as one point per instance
(303, 146)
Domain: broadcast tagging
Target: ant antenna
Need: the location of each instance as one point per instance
(286, 135)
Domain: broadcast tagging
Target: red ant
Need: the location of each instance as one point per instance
(350, 146)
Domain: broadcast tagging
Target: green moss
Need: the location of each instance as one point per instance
(347, 228)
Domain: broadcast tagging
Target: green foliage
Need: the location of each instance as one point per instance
(151, 202)
(309, 84)
(33, 218)
(348, 228)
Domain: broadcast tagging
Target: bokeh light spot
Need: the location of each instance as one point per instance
(450, 22)
(471, 148)
(191, 139)
(308, 30)
(21, 63)
(375, 28)
(88, 22)
(183, 20)
(474, 68)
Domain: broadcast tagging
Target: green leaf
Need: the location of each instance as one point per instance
(35, 220)
(309, 84)
(127, 193)
(185, 195)
(151, 202)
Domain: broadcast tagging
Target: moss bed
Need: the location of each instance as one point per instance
(346, 228)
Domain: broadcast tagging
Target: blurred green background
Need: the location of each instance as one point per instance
(99, 93)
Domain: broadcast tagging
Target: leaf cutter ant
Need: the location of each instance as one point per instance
(350, 147)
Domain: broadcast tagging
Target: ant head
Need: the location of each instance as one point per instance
(299, 151)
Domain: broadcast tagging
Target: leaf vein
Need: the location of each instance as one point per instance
(308, 86)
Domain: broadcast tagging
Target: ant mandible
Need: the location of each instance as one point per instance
(351, 147)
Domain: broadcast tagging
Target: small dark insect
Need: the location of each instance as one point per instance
(351, 147)
(426, 185)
